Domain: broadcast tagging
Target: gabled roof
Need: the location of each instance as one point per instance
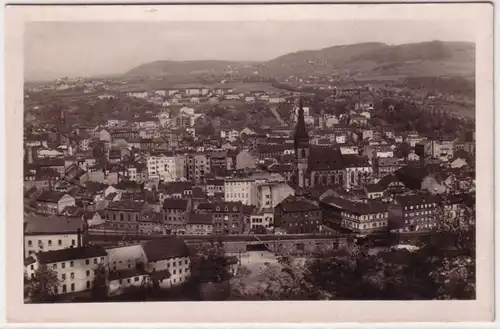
(325, 158)
(353, 160)
(165, 248)
(128, 205)
(51, 196)
(295, 204)
(53, 225)
(171, 203)
(227, 207)
(415, 199)
(359, 208)
(200, 218)
(68, 254)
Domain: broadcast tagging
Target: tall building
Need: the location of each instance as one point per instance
(301, 147)
(313, 165)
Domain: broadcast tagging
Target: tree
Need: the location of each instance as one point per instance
(99, 284)
(458, 223)
(41, 288)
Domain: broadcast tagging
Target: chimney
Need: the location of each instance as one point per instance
(79, 241)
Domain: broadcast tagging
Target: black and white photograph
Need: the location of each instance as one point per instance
(251, 160)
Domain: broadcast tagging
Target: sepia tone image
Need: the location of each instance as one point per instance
(249, 161)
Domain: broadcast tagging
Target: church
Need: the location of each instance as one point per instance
(315, 166)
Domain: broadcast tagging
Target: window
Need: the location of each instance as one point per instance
(54, 266)
(136, 279)
(63, 276)
(72, 275)
(63, 265)
(88, 284)
(72, 287)
(59, 242)
(64, 288)
(95, 260)
(180, 271)
(71, 264)
(72, 242)
(87, 262)
(87, 273)
(128, 280)
(30, 243)
(120, 281)
(174, 272)
(50, 243)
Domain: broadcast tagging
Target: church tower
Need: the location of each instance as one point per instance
(301, 147)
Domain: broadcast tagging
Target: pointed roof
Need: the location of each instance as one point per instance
(301, 137)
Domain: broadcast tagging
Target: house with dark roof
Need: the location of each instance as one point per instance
(228, 217)
(74, 266)
(413, 212)
(53, 203)
(200, 224)
(151, 222)
(53, 233)
(296, 216)
(167, 260)
(365, 217)
(123, 216)
(374, 191)
(175, 215)
(358, 171)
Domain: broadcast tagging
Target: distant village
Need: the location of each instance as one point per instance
(134, 194)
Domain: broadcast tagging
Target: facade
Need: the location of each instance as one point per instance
(242, 190)
(228, 218)
(200, 224)
(74, 266)
(53, 233)
(298, 216)
(176, 215)
(123, 216)
(358, 171)
(315, 166)
(271, 194)
(365, 217)
(53, 203)
(414, 212)
(167, 261)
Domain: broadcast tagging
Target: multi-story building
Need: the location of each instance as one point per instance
(262, 218)
(53, 233)
(358, 171)
(242, 190)
(167, 261)
(200, 224)
(53, 203)
(295, 216)
(160, 166)
(176, 215)
(413, 212)
(217, 161)
(270, 194)
(228, 218)
(364, 217)
(198, 167)
(123, 216)
(74, 266)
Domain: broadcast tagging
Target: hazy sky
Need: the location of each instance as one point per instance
(54, 50)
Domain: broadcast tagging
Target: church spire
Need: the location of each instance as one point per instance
(301, 138)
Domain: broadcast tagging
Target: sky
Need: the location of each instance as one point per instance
(82, 49)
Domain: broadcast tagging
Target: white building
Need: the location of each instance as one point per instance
(167, 168)
(167, 261)
(242, 190)
(74, 266)
(52, 233)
